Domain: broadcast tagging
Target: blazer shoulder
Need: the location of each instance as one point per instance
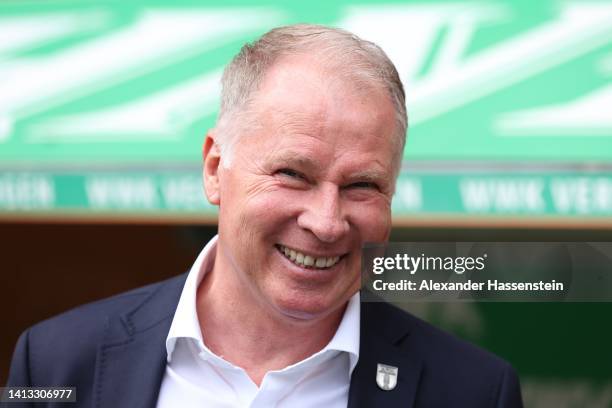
(91, 316)
(63, 349)
(71, 339)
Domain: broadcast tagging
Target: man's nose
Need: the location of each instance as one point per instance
(323, 215)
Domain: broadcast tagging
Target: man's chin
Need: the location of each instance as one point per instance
(307, 312)
(300, 315)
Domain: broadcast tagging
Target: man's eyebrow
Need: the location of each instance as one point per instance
(373, 175)
(293, 159)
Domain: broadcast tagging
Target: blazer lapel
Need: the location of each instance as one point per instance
(131, 362)
(381, 336)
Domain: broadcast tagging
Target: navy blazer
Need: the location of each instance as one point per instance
(113, 351)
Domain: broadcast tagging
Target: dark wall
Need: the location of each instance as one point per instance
(47, 269)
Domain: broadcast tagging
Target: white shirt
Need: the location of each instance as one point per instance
(196, 377)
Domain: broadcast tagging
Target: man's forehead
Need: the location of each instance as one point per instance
(307, 68)
(299, 97)
(298, 83)
(297, 75)
(300, 93)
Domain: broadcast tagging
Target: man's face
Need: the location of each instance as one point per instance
(307, 186)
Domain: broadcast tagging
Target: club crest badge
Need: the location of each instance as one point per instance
(386, 376)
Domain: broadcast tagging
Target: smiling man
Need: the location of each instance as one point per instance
(302, 165)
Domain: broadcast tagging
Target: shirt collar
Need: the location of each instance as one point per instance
(347, 335)
(185, 323)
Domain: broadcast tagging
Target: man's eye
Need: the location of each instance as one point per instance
(291, 173)
(365, 185)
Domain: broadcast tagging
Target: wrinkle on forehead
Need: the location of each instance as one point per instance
(315, 115)
(327, 79)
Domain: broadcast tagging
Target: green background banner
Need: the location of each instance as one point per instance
(566, 193)
(129, 89)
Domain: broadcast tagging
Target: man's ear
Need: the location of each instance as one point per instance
(211, 156)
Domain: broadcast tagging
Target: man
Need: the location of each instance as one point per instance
(302, 164)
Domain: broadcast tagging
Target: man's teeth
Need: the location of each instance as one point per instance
(307, 260)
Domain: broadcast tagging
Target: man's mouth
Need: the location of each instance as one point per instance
(306, 260)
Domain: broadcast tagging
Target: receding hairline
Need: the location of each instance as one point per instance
(325, 76)
(347, 56)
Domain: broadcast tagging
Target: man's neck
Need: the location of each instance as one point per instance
(241, 330)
